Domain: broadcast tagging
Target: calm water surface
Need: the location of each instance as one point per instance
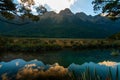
(64, 57)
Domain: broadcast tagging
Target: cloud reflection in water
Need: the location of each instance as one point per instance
(20, 69)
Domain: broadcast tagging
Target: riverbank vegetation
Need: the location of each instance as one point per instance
(115, 36)
(53, 44)
(58, 72)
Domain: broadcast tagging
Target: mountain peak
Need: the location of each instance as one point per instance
(66, 12)
(82, 16)
(81, 13)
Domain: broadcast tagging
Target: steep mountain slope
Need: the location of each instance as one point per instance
(65, 25)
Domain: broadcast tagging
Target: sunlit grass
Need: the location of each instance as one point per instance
(49, 44)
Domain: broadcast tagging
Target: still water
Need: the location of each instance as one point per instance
(64, 57)
(21, 66)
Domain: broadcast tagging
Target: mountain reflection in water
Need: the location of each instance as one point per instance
(20, 69)
(64, 57)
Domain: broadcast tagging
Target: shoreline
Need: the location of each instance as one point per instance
(55, 44)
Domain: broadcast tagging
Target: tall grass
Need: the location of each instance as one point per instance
(88, 75)
(36, 45)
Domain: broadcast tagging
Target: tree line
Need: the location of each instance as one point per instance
(10, 10)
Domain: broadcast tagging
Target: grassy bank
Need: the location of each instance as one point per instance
(53, 44)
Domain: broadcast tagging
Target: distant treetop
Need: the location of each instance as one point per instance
(10, 10)
(111, 8)
(23, 10)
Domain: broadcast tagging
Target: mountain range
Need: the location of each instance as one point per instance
(65, 24)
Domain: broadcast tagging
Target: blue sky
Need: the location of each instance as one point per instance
(83, 6)
(75, 5)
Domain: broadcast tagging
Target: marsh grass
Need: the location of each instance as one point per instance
(49, 44)
(57, 72)
(88, 75)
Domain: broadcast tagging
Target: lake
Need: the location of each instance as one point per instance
(64, 57)
(62, 61)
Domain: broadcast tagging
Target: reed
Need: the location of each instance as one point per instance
(37, 44)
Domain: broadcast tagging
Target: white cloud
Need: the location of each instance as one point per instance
(55, 5)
